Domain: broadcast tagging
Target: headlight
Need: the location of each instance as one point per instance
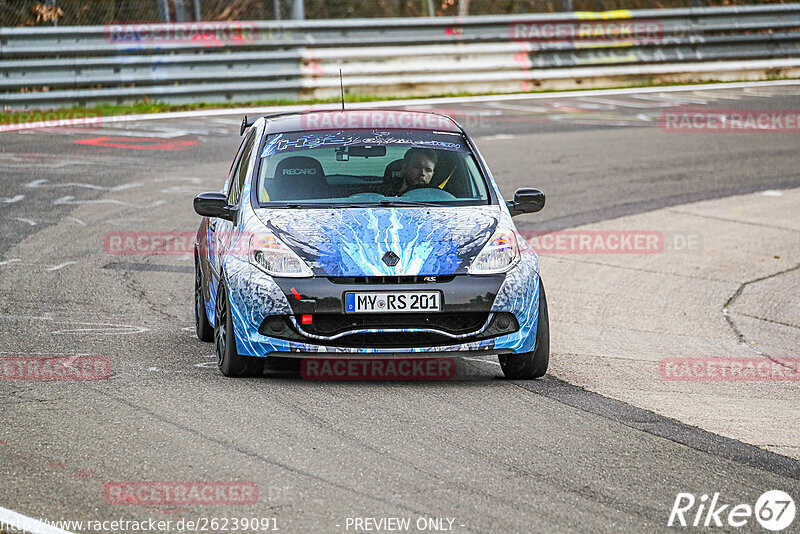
(269, 254)
(499, 255)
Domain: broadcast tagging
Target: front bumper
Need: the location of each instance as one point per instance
(255, 297)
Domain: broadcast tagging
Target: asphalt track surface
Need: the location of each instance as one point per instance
(493, 455)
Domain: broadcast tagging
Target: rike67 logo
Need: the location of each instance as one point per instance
(774, 510)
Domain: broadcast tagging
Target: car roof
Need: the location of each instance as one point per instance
(359, 119)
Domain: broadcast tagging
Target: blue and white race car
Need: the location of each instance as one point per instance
(373, 233)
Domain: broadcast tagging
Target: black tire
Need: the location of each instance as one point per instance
(205, 332)
(229, 361)
(531, 364)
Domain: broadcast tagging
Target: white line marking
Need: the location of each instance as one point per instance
(61, 265)
(483, 361)
(558, 106)
(513, 107)
(77, 220)
(45, 165)
(679, 100)
(664, 101)
(419, 102)
(11, 200)
(103, 329)
(25, 220)
(229, 122)
(620, 103)
(498, 137)
(46, 353)
(771, 193)
(43, 183)
(46, 316)
(12, 260)
(192, 180)
(753, 91)
(28, 524)
(146, 133)
(71, 200)
(717, 96)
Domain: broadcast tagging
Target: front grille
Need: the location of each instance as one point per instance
(391, 279)
(329, 324)
(390, 340)
(465, 324)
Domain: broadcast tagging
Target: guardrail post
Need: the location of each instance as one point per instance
(431, 11)
(198, 16)
(298, 10)
(163, 10)
(463, 8)
(180, 11)
(568, 6)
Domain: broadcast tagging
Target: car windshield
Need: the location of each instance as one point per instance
(381, 167)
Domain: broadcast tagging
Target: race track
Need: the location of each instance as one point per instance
(490, 454)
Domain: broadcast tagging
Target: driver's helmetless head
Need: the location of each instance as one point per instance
(418, 166)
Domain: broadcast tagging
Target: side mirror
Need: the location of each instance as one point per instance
(214, 205)
(526, 200)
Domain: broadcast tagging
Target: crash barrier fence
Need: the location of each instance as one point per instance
(266, 60)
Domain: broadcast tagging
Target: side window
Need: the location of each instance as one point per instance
(239, 172)
(234, 167)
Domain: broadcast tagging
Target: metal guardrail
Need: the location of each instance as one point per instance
(45, 67)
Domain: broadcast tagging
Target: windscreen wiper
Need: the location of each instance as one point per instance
(406, 203)
(298, 205)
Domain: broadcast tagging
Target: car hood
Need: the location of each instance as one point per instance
(428, 241)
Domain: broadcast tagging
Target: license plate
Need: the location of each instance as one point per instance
(393, 301)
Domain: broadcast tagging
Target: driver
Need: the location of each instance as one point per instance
(417, 171)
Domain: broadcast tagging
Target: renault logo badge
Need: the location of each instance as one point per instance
(390, 258)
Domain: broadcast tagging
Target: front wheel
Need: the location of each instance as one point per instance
(530, 365)
(229, 361)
